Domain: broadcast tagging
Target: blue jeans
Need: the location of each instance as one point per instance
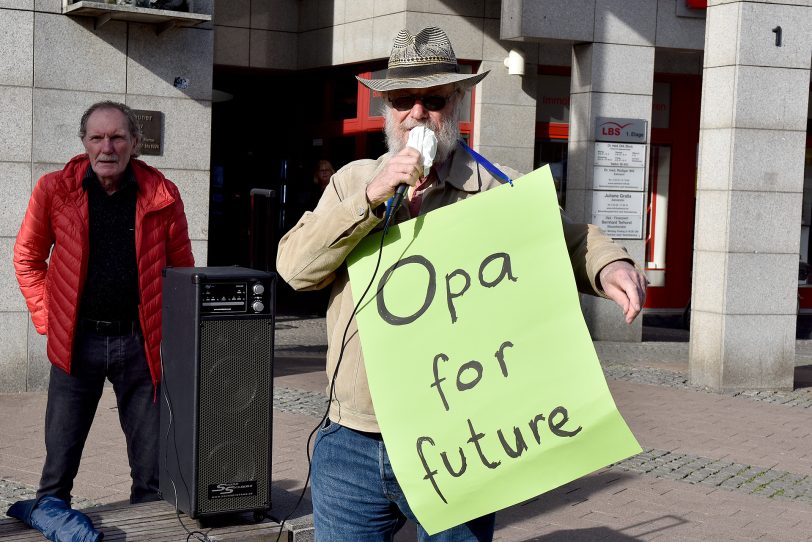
(72, 402)
(356, 496)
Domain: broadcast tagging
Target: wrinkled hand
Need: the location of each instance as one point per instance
(626, 286)
(405, 167)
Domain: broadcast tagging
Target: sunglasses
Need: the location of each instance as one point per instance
(432, 102)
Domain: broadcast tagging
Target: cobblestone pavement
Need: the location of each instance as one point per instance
(801, 397)
(299, 401)
(762, 481)
(682, 468)
(687, 468)
(633, 362)
(291, 400)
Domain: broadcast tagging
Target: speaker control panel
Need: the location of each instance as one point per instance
(233, 297)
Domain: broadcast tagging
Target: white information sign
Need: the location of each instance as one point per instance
(624, 155)
(618, 178)
(619, 214)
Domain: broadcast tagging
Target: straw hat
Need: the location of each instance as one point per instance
(421, 61)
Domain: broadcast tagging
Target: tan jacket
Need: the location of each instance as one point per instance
(311, 256)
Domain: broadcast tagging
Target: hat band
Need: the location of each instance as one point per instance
(407, 72)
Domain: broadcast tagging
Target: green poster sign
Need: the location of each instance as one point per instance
(485, 382)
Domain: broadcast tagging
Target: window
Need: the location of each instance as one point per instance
(553, 152)
(552, 125)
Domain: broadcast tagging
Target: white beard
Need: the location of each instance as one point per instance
(447, 135)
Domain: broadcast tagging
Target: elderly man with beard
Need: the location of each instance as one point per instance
(355, 493)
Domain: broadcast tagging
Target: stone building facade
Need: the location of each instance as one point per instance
(254, 91)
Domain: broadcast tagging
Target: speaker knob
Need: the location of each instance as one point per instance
(258, 306)
(258, 289)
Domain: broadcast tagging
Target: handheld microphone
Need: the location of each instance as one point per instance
(393, 205)
(424, 140)
(397, 199)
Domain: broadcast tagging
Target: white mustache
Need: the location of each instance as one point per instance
(410, 123)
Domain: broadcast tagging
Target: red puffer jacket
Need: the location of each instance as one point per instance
(57, 217)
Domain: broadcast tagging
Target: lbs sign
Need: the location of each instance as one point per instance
(623, 130)
(619, 170)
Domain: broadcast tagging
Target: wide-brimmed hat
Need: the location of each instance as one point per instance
(421, 61)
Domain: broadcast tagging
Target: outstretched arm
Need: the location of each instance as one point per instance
(626, 286)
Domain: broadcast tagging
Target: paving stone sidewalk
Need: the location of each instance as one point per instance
(760, 480)
(714, 466)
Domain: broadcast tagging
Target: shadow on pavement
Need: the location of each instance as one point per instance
(285, 365)
(803, 376)
(675, 328)
(284, 497)
(114, 533)
(603, 534)
(571, 494)
(643, 528)
(576, 492)
(664, 328)
(670, 328)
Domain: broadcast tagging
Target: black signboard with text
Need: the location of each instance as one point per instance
(152, 131)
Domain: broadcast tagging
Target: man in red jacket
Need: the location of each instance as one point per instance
(88, 258)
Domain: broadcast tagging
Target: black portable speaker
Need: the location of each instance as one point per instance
(217, 389)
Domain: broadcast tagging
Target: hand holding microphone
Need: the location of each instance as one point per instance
(405, 168)
(424, 140)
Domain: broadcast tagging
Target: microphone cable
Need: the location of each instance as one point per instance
(388, 218)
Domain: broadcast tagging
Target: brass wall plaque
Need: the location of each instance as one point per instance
(152, 130)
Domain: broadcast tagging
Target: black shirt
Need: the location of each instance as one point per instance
(111, 286)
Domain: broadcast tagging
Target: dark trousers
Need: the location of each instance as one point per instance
(72, 402)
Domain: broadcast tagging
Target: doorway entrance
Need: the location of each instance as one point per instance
(672, 191)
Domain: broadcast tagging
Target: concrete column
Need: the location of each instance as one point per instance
(16, 82)
(750, 185)
(608, 80)
(505, 107)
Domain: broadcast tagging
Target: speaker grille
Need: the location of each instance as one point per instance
(234, 413)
